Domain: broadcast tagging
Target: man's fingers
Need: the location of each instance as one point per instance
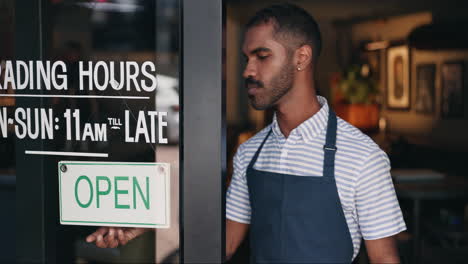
(90, 238)
(122, 237)
(131, 233)
(110, 238)
(120, 234)
(100, 242)
(113, 243)
(100, 231)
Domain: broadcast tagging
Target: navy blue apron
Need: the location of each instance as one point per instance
(298, 219)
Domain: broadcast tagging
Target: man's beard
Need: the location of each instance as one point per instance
(280, 85)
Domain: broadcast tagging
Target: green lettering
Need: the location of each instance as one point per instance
(100, 192)
(117, 192)
(84, 205)
(137, 186)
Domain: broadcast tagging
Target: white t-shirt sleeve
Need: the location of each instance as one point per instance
(237, 197)
(378, 210)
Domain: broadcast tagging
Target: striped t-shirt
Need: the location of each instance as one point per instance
(362, 173)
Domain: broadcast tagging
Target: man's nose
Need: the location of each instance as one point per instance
(249, 71)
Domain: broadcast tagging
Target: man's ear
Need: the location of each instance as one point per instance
(303, 57)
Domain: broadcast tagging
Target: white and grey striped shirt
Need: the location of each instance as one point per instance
(362, 173)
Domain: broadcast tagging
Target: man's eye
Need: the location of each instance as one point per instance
(262, 57)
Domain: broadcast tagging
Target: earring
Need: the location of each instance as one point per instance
(298, 68)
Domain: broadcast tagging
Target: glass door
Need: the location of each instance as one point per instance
(94, 82)
(90, 88)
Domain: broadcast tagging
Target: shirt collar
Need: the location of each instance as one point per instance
(310, 128)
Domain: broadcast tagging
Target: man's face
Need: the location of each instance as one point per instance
(269, 72)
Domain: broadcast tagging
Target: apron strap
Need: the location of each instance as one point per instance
(330, 146)
(254, 159)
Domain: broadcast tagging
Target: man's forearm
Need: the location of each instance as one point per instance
(235, 234)
(385, 259)
(383, 250)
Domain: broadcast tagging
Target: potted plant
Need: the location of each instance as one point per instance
(356, 102)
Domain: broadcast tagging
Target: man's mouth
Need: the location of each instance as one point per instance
(252, 86)
(252, 89)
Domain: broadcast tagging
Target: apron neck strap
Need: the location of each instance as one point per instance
(254, 159)
(330, 146)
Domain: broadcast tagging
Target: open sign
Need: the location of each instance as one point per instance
(114, 194)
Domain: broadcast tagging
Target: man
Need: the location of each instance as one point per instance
(309, 186)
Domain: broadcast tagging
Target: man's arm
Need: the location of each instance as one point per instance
(378, 211)
(235, 234)
(383, 250)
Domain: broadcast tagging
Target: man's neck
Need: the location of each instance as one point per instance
(290, 115)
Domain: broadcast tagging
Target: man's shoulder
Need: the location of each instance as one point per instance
(352, 138)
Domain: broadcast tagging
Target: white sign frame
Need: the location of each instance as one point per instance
(156, 222)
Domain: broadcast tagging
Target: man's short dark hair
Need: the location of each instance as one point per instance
(293, 23)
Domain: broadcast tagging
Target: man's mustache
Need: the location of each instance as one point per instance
(252, 81)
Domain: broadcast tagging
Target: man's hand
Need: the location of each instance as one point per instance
(112, 237)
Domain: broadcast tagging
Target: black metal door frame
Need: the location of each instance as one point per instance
(203, 139)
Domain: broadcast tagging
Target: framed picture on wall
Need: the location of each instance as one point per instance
(398, 77)
(373, 59)
(425, 88)
(452, 90)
